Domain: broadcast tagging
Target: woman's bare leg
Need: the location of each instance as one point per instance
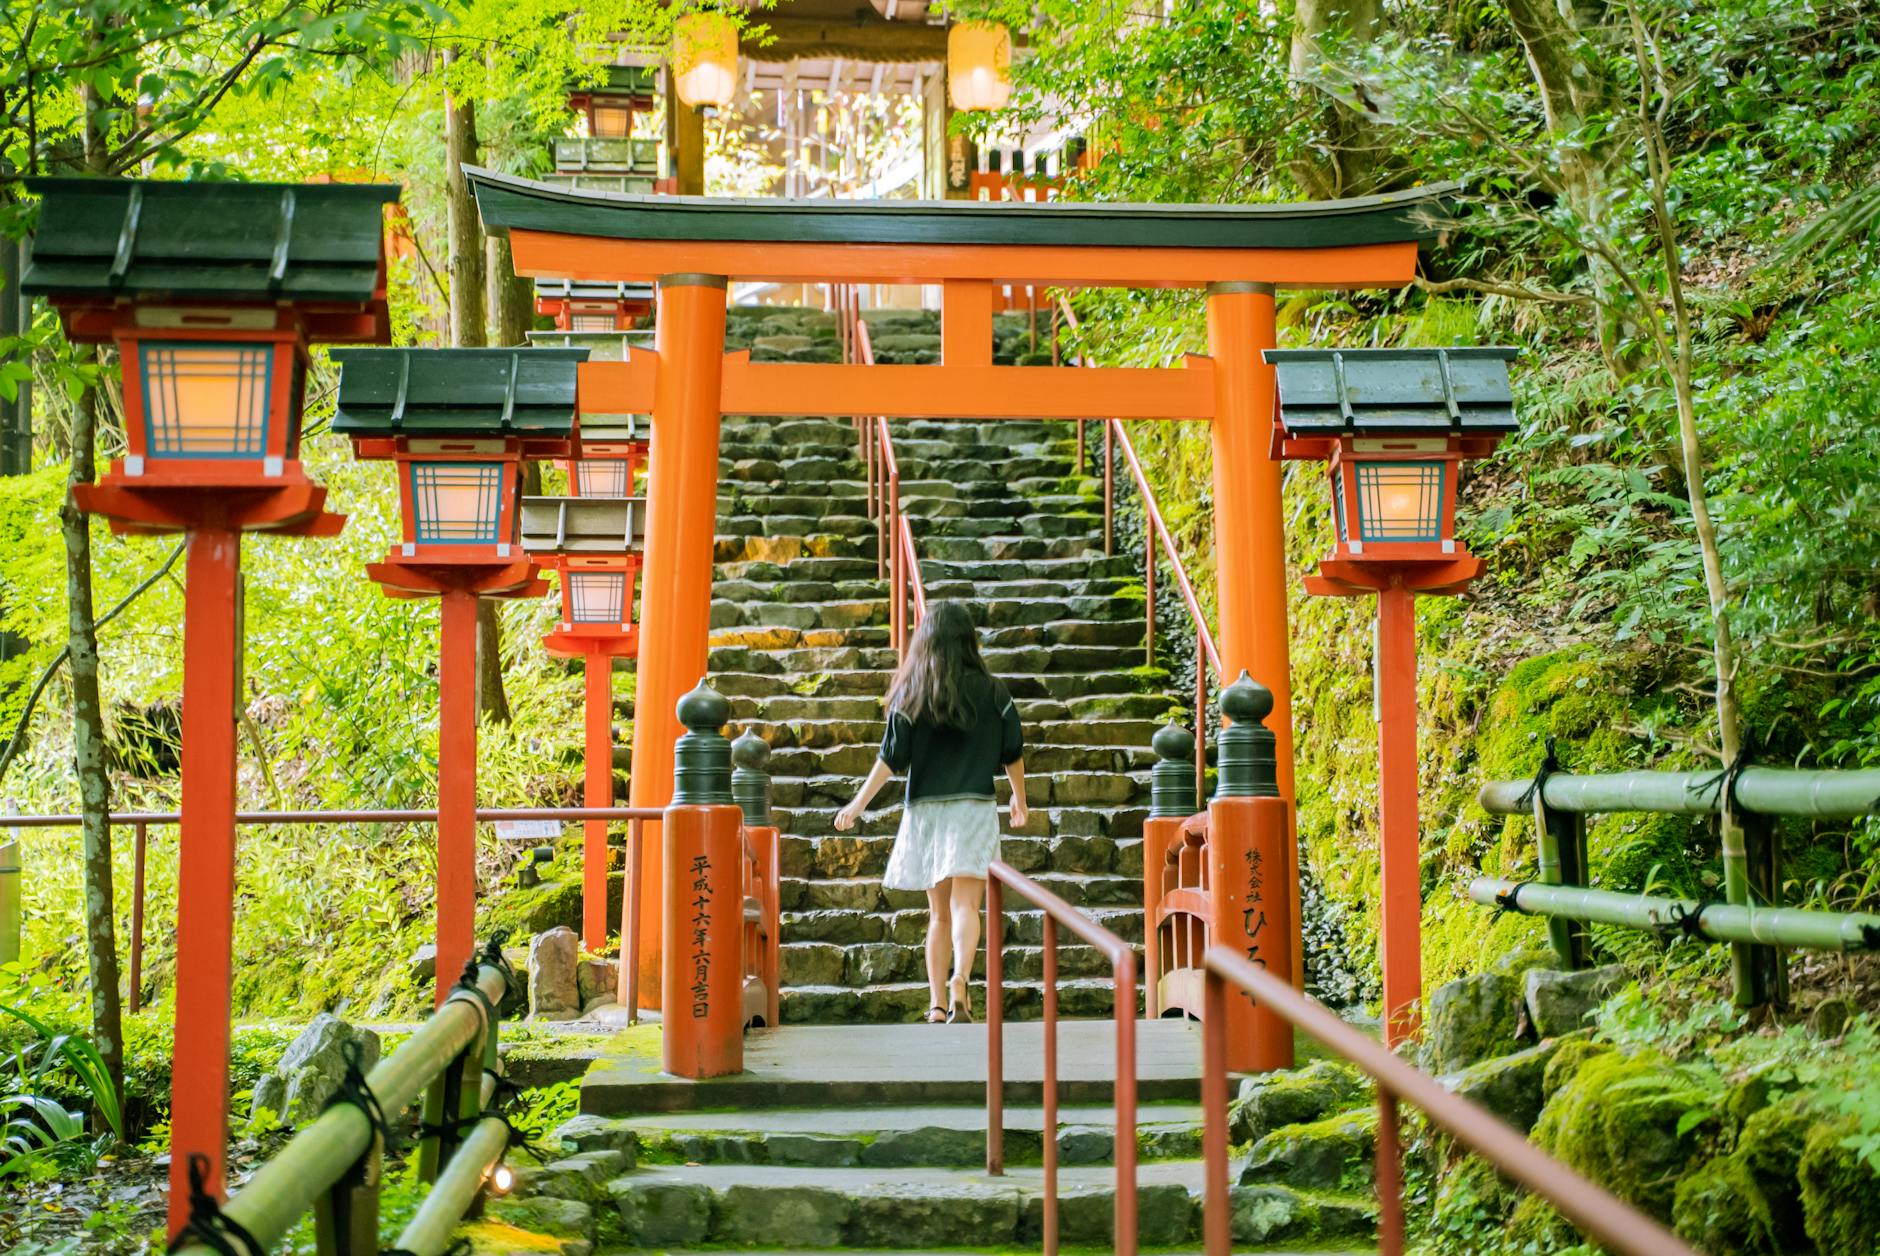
(967, 893)
(939, 931)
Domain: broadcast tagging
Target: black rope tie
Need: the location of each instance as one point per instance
(353, 1090)
(1509, 900)
(467, 983)
(1690, 922)
(1549, 765)
(1870, 934)
(1725, 783)
(207, 1223)
(494, 957)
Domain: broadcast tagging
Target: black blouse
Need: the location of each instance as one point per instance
(943, 762)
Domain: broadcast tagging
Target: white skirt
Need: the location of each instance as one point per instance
(941, 838)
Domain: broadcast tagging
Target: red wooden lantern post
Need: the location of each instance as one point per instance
(1394, 427)
(594, 543)
(457, 424)
(211, 293)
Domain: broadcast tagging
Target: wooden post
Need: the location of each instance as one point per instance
(456, 787)
(702, 976)
(1251, 912)
(205, 883)
(1250, 524)
(10, 874)
(682, 507)
(1159, 833)
(597, 791)
(139, 848)
(1400, 939)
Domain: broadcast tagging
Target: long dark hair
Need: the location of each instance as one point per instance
(944, 650)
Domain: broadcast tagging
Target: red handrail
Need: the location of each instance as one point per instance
(1115, 436)
(896, 559)
(1123, 973)
(1599, 1214)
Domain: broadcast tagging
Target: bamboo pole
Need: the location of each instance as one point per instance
(455, 1192)
(1717, 922)
(1768, 791)
(282, 1190)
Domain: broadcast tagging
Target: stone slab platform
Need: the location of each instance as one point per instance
(822, 1065)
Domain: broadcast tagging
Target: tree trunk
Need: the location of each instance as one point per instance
(1572, 90)
(88, 752)
(492, 701)
(1347, 166)
(511, 297)
(465, 232)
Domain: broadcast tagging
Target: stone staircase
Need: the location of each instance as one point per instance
(789, 1155)
(1003, 523)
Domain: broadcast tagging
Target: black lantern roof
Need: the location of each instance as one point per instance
(583, 525)
(456, 392)
(1325, 392)
(315, 242)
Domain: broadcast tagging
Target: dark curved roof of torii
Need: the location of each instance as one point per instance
(1393, 217)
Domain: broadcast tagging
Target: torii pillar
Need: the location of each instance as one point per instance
(676, 589)
(1250, 530)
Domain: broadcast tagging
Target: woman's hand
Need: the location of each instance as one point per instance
(846, 818)
(1019, 812)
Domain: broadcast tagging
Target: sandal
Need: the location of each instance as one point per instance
(936, 1015)
(962, 1008)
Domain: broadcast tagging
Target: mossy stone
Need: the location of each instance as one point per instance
(1474, 1018)
(1325, 1154)
(1272, 1100)
(1616, 1121)
(1771, 1145)
(1718, 1207)
(1566, 1062)
(1840, 1193)
(1510, 1086)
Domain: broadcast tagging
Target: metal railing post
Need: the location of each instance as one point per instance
(1148, 584)
(1390, 1231)
(1050, 1096)
(10, 874)
(1217, 1210)
(139, 839)
(1109, 487)
(995, 1027)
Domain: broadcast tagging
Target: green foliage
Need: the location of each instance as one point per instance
(36, 1128)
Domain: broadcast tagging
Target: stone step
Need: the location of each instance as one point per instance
(829, 1208)
(901, 1136)
(1043, 789)
(982, 548)
(856, 759)
(800, 588)
(883, 820)
(1121, 694)
(857, 855)
(1084, 566)
(873, 963)
(905, 1002)
(1122, 613)
(827, 569)
(799, 651)
(1023, 926)
(783, 549)
(869, 895)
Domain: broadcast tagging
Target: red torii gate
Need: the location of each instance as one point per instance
(693, 246)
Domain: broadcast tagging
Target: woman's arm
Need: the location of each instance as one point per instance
(877, 777)
(1015, 773)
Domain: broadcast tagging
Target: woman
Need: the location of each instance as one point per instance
(951, 728)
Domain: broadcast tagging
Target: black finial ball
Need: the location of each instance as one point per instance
(750, 752)
(1172, 741)
(1246, 701)
(704, 710)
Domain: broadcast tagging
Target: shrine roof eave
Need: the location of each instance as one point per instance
(506, 202)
